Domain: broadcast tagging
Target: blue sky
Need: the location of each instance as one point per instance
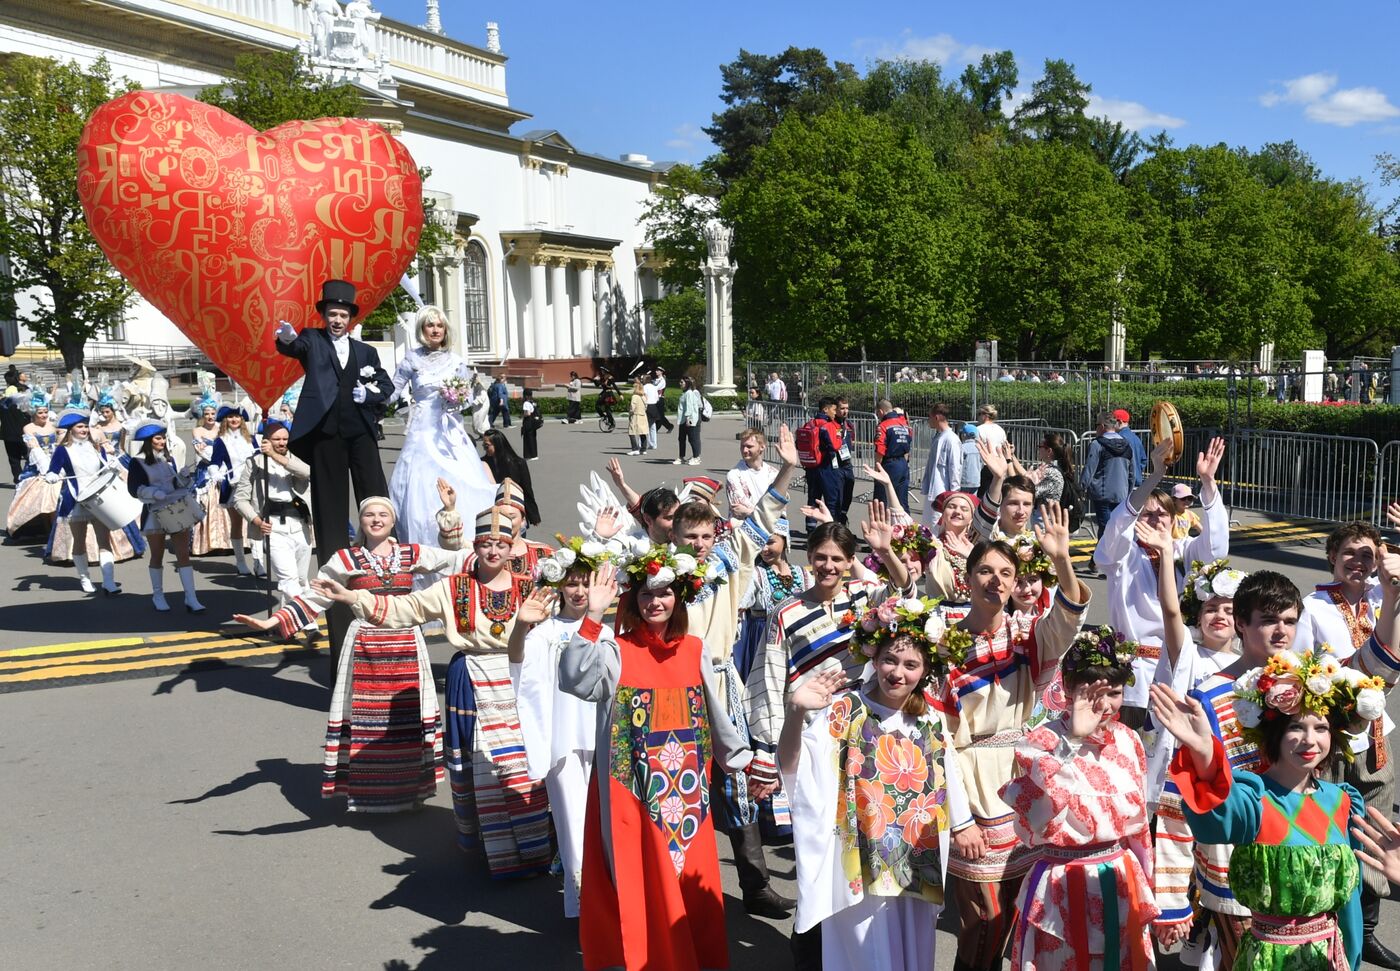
(645, 77)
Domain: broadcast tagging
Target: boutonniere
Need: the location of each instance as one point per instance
(366, 371)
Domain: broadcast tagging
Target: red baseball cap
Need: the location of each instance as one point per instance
(1122, 415)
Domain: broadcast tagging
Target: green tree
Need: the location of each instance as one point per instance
(1054, 110)
(71, 292)
(760, 90)
(913, 95)
(266, 90)
(1223, 273)
(987, 84)
(1058, 246)
(1115, 147)
(849, 241)
(679, 317)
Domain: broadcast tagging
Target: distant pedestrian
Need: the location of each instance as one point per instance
(846, 457)
(1139, 465)
(754, 411)
(970, 476)
(504, 464)
(638, 425)
(574, 392)
(749, 480)
(14, 415)
(530, 423)
(893, 440)
(945, 461)
(777, 390)
(688, 418)
(650, 396)
(499, 396)
(1107, 470)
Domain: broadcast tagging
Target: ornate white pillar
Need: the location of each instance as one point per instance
(719, 309)
(559, 300)
(587, 310)
(605, 313)
(539, 310)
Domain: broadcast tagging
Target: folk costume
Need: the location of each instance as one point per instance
(383, 744)
(279, 493)
(494, 797)
(525, 554)
(35, 494)
(651, 895)
(228, 462)
(213, 533)
(874, 796)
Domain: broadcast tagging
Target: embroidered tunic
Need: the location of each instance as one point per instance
(988, 701)
(874, 796)
(651, 896)
(1294, 869)
(1080, 804)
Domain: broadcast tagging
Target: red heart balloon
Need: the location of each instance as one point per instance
(227, 230)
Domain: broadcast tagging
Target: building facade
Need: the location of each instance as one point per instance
(547, 268)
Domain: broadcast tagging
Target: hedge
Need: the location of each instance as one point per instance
(1201, 404)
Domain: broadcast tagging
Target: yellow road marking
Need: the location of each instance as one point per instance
(18, 664)
(79, 647)
(56, 673)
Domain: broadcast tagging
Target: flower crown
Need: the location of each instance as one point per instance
(912, 537)
(576, 553)
(1207, 580)
(1316, 682)
(661, 567)
(916, 618)
(1031, 558)
(1100, 647)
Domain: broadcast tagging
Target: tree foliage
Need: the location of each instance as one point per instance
(1054, 109)
(71, 290)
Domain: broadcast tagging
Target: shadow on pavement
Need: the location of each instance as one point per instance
(260, 682)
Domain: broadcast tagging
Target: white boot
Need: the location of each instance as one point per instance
(239, 557)
(158, 588)
(187, 581)
(259, 568)
(108, 562)
(80, 564)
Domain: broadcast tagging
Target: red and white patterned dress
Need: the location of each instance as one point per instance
(1087, 901)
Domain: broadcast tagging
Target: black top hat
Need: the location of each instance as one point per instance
(338, 291)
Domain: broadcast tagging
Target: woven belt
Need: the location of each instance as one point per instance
(1007, 739)
(1085, 855)
(1293, 930)
(1149, 652)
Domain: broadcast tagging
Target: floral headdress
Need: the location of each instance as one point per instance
(1207, 580)
(1316, 682)
(916, 618)
(1031, 558)
(577, 553)
(660, 567)
(1100, 647)
(912, 537)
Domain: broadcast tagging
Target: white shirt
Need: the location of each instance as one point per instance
(342, 347)
(660, 383)
(991, 433)
(747, 485)
(777, 390)
(1322, 623)
(649, 393)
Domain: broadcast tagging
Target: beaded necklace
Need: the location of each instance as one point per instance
(384, 566)
(782, 589)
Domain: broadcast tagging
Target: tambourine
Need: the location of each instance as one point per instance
(1166, 426)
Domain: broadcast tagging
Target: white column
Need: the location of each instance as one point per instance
(605, 314)
(539, 310)
(559, 300)
(587, 309)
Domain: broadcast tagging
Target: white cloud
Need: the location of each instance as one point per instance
(1327, 106)
(686, 137)
(943, 49)
(1133, 115)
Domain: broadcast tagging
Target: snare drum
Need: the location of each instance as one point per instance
(178, 515)
(107, 501)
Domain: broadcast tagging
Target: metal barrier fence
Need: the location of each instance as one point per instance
(1323, 477)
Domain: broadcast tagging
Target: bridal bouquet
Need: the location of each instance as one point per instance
(458, 393)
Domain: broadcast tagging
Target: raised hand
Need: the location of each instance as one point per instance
(332, 590)
(1053, 535)
(1161, 452)
(815, 693)
(602, 590)
(1392, 513)
(878, 530)
(876, 473)
(538, 607)
(615, 470)
(1380, 842)
(1183, 718)
(1208, 462)
(1088, 708)
(609, 523)
(817, 513)
(1154, 537)
(447, 494)
(992, 458)
(787, 445)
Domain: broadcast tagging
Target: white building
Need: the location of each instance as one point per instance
(548, 266)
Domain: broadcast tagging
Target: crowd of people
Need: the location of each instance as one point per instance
(924, 719)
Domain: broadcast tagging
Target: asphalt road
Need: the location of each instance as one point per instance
(162, 806)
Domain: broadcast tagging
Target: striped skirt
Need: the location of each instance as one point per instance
(493, 797)
(384, 733)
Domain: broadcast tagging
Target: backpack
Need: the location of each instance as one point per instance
(897, 438)
(1073, 503)
(808, 442)
(707, 410)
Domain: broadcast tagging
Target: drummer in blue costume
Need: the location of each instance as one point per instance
(79, 463)
(156, 481)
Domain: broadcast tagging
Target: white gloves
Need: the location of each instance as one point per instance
(359, 394)
(158, 495)
(51, 477)
(285, 332)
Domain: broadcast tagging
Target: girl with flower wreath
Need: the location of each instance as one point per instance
(1078, 802)
(651, 896)
(1266, 608)
(1035, 579)
(1293, 865)
(493, 796)
(557, 726)
(875, 791)
(987, 698)
(383, 741)
(935, 557)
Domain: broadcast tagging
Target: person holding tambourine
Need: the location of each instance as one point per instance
(157, 482)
